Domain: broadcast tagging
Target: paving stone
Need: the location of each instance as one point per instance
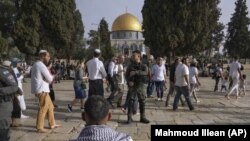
(213, 109)
(129, 130)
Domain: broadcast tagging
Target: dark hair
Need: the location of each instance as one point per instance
(176, 60)
(236, 57)
(244, 76)
(183, 59)
(193, 64)
(43, 54)
(96, 108)
(97, 54)
(137, 52)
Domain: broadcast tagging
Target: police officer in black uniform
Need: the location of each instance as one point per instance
(137, 76)
(8, 87)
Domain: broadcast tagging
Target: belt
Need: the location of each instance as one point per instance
(5, 98)
(95, 80)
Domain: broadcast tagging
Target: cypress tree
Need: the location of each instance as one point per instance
(237, 40)
(45, 24)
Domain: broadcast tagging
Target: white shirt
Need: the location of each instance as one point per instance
(96, 69)
(40, 78)
(233, 71)
(119, 71)
(242, 84)
(19, 77)
(158, 72)
(192, 72)
(180, 72)
(115, 69)
(111, 68)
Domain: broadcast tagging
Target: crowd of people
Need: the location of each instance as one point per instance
(141, 76)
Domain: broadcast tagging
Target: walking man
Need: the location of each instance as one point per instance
(182, 84)
(172, 82)
(96, 73)
(137, 73)
(40, 80)
(235, 75)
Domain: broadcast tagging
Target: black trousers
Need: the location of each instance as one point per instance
(5, 114)
(16, 113)
(52, 95)
(96, 87)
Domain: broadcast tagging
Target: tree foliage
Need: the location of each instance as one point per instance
(7, 17)
(238, 37)
(3, 45)
(101, 38)
(179, 26)
(54, 25)
(107, 50)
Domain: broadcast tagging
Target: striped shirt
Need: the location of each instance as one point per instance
(101, 133)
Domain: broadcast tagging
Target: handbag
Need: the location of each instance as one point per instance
(21, 102)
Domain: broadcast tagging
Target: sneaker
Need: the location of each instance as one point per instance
(23, 116)
(124, 111)
(198, 101)
(158, 99)
(69, 108)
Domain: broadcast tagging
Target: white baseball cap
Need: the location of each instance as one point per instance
(97, 51)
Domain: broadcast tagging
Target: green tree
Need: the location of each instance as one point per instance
(93, 40)
(7, 17)
(102, 37)
(179, 27)
(3, 46)
(237, 40)
(53, 25)
(107, 50)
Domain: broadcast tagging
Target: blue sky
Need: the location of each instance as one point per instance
(93, 10)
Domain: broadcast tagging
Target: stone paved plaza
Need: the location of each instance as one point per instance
(213, 109)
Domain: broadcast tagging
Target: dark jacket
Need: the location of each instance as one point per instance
(8, 81)
(142, 76)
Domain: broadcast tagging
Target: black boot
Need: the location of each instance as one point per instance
(130, 108)
(142, 111)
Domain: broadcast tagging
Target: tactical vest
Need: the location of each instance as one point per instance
(8, 82)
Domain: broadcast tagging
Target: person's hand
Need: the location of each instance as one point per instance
(199, 83)
(132, 73)
(131, 83)
(19, 92)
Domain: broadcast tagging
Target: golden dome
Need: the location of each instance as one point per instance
(126, 22)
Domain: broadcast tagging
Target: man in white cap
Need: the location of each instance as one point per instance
(40, 80)
(96, 73)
